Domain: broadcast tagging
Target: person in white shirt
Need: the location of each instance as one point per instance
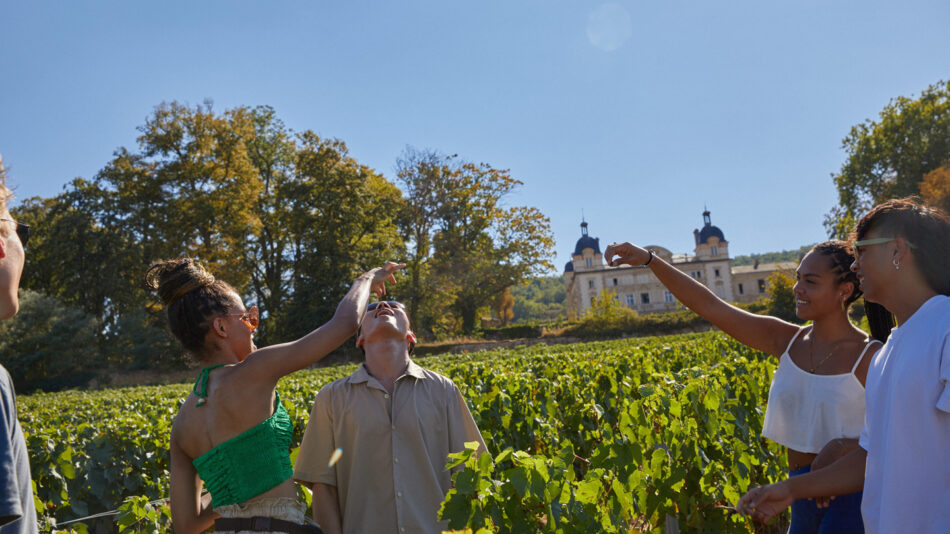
(902, 250)
(816, 401)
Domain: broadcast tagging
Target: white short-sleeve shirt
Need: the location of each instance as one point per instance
(907, 427)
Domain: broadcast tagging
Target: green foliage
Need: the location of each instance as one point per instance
(465, 246)
(606, 311)
(781, 297)
(626, 324)
(889, 158)
(512, 332)
(288, 219)
(594, 437)
(539, 300)
(773, 257)
(47, 344)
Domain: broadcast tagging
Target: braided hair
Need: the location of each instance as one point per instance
(192, 298)
(880, 320)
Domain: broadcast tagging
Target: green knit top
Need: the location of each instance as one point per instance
(250, 463)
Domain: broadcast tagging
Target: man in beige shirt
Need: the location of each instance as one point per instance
(394, 425)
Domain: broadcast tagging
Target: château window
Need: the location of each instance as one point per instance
(761, 286)
(740, 289)
(715, 251)
(645, 298)
(631, 300)
(587, 262)
(667, 296)
(590, 284)
(615, 281)
(717, 273)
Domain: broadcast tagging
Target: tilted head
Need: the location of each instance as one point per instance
(387, 319)
(198, 305)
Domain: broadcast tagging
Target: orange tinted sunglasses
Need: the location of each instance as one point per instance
(250, 318)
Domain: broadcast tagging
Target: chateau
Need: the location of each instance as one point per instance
(586, 275)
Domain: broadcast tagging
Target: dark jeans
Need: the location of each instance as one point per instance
(842, 516)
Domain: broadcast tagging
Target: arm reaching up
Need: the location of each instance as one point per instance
(768, 334)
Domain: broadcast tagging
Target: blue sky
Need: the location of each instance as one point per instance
(637, 113)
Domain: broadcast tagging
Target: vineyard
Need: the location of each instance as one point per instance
(620, 436)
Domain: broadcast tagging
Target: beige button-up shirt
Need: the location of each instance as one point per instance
(391, 476)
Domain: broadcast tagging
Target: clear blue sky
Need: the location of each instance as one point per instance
(639, 113)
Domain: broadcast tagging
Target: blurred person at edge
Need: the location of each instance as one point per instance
(816, 399)
(232, 432)
(17, 512)
(376, 446)
(902, 253)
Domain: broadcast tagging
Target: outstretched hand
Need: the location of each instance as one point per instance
(384, 274)
(765, 502)
(628, 253)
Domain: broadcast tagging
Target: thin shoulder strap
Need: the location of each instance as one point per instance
(789, 347)
(863, 352)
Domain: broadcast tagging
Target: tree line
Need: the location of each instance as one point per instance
(288, 218)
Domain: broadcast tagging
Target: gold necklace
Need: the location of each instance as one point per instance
(811, 352)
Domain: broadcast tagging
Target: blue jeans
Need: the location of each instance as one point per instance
(842, 516)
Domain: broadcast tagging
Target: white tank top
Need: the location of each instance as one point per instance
(806, 411)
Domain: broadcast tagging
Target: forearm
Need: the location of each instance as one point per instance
(349, 312)
(691, 293)
(326, 508)
(840, 478)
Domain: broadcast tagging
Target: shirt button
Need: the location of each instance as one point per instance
(394, 427)
(386, 395)
(395, 460)
(402, 529)
(399, 494)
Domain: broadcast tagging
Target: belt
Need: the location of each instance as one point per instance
(264, 524)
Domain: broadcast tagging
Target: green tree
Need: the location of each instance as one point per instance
(466, 244)
(539, 299)
(288, 219)
(48, 344)
(889, 158)
(936, 187)
(781, 297)
(504, 306)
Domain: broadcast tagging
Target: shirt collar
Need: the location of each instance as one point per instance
(362, 375)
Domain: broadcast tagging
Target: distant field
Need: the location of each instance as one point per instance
(605, 436)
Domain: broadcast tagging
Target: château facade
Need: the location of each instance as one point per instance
(586, 275)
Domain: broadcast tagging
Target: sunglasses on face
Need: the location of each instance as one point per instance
(857, 245)
(22, 231)
(250, 318)
(390, 303)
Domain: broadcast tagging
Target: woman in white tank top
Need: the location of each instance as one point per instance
(816, 402)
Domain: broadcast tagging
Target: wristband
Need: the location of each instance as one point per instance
(650, 259)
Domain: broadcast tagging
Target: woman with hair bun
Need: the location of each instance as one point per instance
(816, 401)
(902, 253)
(232, 432)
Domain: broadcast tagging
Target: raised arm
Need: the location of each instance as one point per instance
(761, 332)
(271, 363)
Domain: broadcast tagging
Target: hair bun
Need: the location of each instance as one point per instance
(172, 279)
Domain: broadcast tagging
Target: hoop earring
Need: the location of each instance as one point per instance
(897, 264)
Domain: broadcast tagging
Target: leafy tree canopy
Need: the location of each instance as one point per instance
(889, 158)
